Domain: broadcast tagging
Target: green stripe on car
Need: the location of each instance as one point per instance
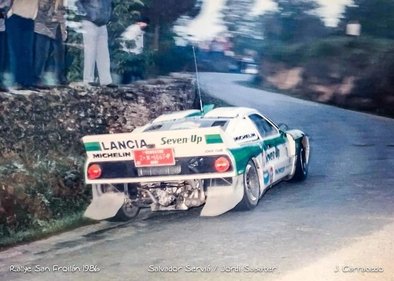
(92, 146)
(275, 141)
(242, 156)
(212, 139)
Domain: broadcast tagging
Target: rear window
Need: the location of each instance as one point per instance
(186, 124)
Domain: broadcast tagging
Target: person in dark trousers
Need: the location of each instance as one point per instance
(20, 35)
(4, 7)
(50, 34)
(96, 15)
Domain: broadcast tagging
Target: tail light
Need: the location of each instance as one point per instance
(94, 171)
(222, 164)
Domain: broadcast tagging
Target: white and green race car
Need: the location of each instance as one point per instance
(223, 159)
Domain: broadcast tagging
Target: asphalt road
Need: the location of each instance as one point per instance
(335, 225)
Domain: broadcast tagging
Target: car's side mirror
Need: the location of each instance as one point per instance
(283, 127)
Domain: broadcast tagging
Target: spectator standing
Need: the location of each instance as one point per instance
(96, 15)
(132, 42)
(133, 37)
(4, 7)
(20, 36)
(50, 34)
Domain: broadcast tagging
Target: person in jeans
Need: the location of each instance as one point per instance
(96, 15)
(50, 34)
(4, 6)
(20, 36)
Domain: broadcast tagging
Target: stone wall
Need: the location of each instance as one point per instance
(58, 118)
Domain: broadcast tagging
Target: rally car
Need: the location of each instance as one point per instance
(223, 159)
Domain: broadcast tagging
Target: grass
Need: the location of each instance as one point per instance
(47, 229)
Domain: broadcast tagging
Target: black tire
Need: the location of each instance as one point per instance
(302, 164)
(251, 185)
(126, 213)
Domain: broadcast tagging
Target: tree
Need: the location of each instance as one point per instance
(237, 18)
(245, 28)
(294, 21)
(124, 14)
(163, 13)
(375, 16)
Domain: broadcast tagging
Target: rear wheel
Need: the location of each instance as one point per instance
(127, 212)
(251, 186)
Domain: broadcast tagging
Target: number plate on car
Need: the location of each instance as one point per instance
(154, 157)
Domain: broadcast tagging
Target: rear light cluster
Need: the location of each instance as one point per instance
(94, 171)
(222, 164)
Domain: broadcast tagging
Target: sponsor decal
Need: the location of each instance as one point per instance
(92, 146)
(271, 175)
(220, 150)
(213, 139)
(194, 139)
(272, 155)
(245, 137)
(266, 177)
(127, 144)
(111, 155)
(280, 170)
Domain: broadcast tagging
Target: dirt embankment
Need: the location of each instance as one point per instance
(351, 73)
(41, 156)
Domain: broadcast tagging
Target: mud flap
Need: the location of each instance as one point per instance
(104, 205)
(221, 199)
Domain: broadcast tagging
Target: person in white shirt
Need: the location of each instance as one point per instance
(96, 16)
(133, 37)
(132, 43)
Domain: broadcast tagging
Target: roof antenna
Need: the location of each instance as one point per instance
(197, 79)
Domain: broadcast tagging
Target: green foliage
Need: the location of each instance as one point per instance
(294, 21)
(124, 14)
(172, 58)
(357, 51)
(278, 51)
(40, 188)
(74, 55)
(378, 80)
(323, 49)
(375, 16)
(165, 12)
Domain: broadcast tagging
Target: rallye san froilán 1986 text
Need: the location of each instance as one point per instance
(54, 268)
